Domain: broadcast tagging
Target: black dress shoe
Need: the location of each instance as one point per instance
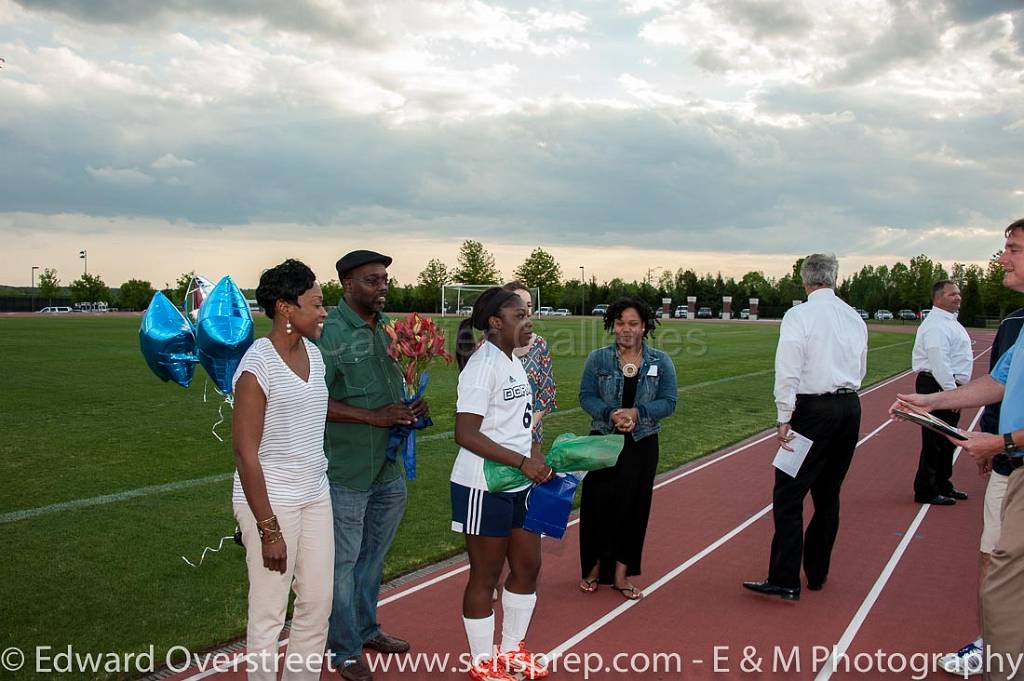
(387, 644)
(957, 494)
(937, 500)
(768, 589)
(816, 586)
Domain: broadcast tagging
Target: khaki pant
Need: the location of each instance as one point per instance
(309, 537)
(1002, 595)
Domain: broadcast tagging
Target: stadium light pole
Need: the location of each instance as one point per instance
(583, 287)
(84, 255)
(32, 289)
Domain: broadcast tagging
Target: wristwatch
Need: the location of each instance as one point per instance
(1008, 443)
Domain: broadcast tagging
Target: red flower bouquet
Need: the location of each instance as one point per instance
(416, 342)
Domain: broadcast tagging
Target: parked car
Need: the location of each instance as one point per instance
(659, 313)
(908, 315)
(882, 315)
(745, 313)
(680, 312)
(924, 313)
(863, 314)
(57, 309)
(545, 311)
(465, 310)
(704, 313)
(560, 312)
(600, 309)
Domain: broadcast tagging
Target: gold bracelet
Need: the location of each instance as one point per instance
(270, 537)
(271, 519)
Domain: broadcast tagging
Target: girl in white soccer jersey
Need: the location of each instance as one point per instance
(493, 420)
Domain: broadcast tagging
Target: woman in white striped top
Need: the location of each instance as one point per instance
(280, 496)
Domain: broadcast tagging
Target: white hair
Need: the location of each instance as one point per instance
(820, 269)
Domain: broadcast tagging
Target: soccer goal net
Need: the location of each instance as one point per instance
(458, 299)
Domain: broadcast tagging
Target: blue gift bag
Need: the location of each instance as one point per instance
(548, 505)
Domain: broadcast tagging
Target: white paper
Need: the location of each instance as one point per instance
(790, 462)
(652, 370)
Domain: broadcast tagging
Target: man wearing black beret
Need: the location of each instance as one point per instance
(367, 488)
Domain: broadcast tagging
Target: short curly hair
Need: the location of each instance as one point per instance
(616, 309)
(286, 282)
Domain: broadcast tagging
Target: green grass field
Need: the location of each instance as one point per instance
(82, 416)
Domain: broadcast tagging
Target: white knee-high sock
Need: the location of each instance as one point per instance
(480, 633)
(517, 610)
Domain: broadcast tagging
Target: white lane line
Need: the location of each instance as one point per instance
(423, 585)
(839, 650)
(195, 482)
(110, 498)
(675, 572)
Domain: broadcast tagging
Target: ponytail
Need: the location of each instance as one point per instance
(487, 305)
(465, 343)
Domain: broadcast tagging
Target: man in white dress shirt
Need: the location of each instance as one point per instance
(942, 359)
(819, 365)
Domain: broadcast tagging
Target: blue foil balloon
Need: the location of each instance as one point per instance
(224, 331)
(168, 342)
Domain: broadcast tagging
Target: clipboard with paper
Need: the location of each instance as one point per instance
(909, 412)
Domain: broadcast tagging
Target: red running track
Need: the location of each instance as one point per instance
(903, 578)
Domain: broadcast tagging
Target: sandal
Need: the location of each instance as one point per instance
(588, 586)
(630, 593)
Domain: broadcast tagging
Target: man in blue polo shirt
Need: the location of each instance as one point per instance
(1002, 595)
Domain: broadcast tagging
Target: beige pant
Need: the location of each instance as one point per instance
(994, 494)
(309, 536)
(1002, 595)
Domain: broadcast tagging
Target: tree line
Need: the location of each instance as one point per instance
(901, 286)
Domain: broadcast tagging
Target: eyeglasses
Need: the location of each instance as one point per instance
(374, 281)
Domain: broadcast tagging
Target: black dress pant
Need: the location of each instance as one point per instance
(935, 467)
(833, 423)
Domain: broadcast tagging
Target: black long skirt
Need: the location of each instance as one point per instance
(614, 507)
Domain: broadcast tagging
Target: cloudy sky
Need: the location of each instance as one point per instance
(225, 135)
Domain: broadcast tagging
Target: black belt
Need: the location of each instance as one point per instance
(931, 376)
(1016, 462)
(835, 393)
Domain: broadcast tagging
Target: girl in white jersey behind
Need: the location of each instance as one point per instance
(493, 421)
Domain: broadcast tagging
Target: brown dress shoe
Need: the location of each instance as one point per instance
(355, 669)
(389, 645)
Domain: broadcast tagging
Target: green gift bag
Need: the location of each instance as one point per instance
(569, 452)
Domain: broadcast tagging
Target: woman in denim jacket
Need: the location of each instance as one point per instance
(627, 387)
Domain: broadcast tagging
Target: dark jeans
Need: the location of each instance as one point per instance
(833, 423)
(365, 523)
(935, 467)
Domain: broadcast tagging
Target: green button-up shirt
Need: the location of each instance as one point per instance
(360, 374)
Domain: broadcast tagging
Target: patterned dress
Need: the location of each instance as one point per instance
(537, 362)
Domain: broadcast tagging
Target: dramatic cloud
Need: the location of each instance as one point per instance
(763, 128)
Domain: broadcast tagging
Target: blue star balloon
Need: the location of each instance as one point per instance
(224, 331)
(168, 342)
